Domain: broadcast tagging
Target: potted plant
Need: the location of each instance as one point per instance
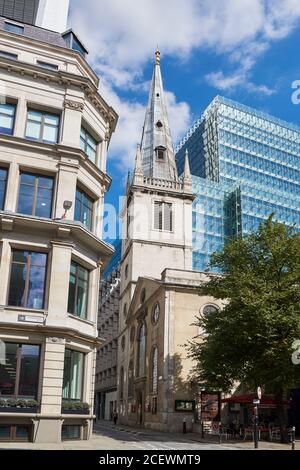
(20, 405)
(75, 407)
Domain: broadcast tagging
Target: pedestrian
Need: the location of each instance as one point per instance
(115, 417)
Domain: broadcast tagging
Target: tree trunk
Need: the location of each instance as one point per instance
(281, 415)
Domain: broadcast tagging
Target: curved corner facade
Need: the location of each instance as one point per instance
(54, 132)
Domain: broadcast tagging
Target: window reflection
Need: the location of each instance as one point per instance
(73, 375)
(28, 277)
(35, 196)
(19, 369)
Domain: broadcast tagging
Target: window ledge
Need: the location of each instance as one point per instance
(24, 310)
(84, 320)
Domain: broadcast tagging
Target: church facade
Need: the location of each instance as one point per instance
(159, 292)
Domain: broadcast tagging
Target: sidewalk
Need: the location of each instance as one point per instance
(194, 437)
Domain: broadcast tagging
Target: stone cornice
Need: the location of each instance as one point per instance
(57, 331)
(65, 79)
(58, 151)
(33, 224)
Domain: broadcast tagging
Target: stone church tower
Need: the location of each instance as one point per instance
(157, 215)
(156, 235)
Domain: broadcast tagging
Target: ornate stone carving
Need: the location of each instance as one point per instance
(74, 105)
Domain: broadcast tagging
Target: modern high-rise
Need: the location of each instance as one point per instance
(245, 165)
(55, 128)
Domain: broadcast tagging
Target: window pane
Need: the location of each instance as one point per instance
(33, 130)
(22, 432)
(70, 432)
(8, 367)
(78, 290)
(91, 154)
(81, 301)
(51, 119)
(35, 116)
(13, 28)
(72, 292)
(28, 276)
(7, 115)
(73, 375)
(83, 209)
(44, 203)
(4, 432)
(26, 196)
(50, 134)
(17, 286)
(29, 371)
(3, 178)
(37, 278)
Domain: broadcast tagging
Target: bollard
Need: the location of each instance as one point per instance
(184, 426)
(202, 430)
(293, 437)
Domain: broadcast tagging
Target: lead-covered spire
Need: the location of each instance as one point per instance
(158, 159)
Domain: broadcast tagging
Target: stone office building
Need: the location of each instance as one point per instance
(107, 355)
(54, 132)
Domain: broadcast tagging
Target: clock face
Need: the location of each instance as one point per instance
(155, 314)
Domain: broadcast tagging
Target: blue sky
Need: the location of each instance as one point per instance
(247, 50)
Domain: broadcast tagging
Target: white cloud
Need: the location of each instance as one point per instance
(122, 36)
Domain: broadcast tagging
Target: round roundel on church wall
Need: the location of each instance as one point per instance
(123, 342)
(155, 313)
(159, 124)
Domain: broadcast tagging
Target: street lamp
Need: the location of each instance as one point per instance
(256, 402)
(67, 206)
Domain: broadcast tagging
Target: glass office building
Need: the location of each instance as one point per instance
(245, 166)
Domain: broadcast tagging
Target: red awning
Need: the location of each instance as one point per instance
(248, 399)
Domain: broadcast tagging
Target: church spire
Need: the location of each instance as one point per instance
(158, 159)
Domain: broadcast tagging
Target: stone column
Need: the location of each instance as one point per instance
(72, 123)
(59, 282)
(21, 118)
(66, 188)
(4, 271)
(11, 203)
(48, 428)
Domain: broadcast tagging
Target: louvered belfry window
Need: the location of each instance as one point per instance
(24, 11)
(163, 216)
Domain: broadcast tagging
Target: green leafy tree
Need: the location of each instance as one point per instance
(251, 339)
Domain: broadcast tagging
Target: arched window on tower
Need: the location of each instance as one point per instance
(154, 365)
(141, 351)
(122, 383)
(130, 379)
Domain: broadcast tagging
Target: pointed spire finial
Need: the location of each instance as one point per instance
(138, 170)
(157, 56)
(187, 178)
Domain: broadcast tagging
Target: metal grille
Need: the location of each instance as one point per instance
(24, 11)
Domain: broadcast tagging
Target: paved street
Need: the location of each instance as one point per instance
(108, 437)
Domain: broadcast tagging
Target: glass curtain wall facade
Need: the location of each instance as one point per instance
(245, 166)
